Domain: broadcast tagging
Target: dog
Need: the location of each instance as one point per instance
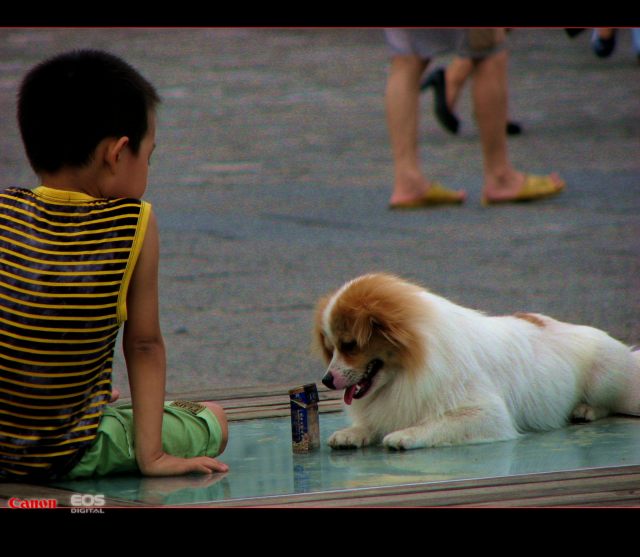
(421, 371)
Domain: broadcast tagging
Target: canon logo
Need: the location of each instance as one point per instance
(17, 503)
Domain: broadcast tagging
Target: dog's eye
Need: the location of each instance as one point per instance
(348, 347)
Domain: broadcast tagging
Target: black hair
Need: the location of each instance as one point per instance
(69, 103)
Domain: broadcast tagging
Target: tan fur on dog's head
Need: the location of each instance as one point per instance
(376, 312)
(319, 343)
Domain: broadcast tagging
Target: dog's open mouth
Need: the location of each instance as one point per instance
(361, 387)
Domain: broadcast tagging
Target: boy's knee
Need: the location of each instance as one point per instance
(219, 413)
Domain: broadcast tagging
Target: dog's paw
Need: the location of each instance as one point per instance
(401, 440)
(585, 413)
(349, 438)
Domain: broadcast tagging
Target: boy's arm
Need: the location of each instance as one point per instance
(146, 366)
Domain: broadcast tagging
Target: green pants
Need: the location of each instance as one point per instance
(188, 429)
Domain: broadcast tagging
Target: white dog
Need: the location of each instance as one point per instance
(420, 371)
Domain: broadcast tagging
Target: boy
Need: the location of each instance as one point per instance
(78, 259)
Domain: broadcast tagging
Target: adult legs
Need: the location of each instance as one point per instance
(402, 99)
(502, 181)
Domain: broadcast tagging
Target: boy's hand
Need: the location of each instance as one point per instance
(169, 465)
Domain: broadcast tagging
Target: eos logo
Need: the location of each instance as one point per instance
(87, 500)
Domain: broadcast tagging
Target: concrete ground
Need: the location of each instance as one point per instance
(273, 170)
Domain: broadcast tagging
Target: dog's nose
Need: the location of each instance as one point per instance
(327, 380)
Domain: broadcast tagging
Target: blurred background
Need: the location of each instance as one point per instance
(273, 170)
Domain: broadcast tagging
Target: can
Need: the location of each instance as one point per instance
(305, 425)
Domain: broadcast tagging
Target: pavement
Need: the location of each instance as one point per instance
(273, 171)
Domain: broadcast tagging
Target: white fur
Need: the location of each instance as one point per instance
(488, 379)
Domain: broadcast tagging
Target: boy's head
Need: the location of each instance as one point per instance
(69, 103)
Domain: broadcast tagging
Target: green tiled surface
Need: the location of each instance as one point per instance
(262, 463)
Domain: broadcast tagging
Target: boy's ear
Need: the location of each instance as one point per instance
(113, 151)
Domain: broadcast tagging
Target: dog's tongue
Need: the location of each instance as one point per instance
(348, 393)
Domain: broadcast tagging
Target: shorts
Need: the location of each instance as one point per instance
(428, 43)
(189, 429)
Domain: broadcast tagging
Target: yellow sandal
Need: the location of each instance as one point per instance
(437, 194)
(534, 188)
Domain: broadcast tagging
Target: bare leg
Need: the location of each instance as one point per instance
(501, 180)
(456, 75)
(490, 104)
(402, 103)
(219, 413)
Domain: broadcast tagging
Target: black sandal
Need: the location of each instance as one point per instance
(445, 117)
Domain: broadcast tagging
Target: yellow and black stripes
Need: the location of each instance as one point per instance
(65, 263)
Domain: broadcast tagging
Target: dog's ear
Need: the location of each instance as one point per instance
(321, 346)
(373, 308)
(364, 324)
(318, 343)
(389, 327)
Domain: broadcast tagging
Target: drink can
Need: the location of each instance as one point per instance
(305, 425)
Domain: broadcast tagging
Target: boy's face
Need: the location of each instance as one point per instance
(134, 169)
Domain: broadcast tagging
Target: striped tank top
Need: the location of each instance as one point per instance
(65, 263)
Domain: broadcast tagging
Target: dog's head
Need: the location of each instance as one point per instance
(370, 330)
